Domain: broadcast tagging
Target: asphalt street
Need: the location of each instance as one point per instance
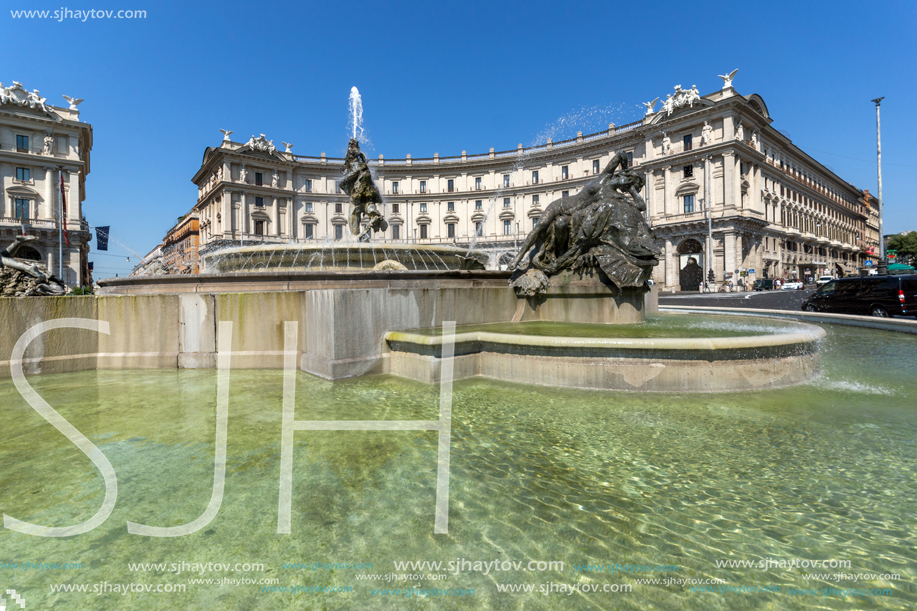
(768, 300)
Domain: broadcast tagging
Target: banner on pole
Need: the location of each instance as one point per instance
(102, 238)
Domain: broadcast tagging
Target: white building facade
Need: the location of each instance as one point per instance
(38, 144)
(776, 212)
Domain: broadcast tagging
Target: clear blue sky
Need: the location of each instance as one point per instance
(443, 77)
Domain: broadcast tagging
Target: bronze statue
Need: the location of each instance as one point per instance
(601, 226)
(358, 184)
(19, 278)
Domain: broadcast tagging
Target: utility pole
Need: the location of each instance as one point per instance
(60, 224)
(883, 262)
(708, 205)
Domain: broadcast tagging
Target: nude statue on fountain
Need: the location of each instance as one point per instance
(358, 184)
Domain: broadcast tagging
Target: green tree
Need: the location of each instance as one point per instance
(905, 244)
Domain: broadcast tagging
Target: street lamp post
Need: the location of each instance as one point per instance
(883, 263)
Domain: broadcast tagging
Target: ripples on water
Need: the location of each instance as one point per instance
(820, 471)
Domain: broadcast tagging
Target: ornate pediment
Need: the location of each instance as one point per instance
(17, 95)
(682, 98)
(261, 145)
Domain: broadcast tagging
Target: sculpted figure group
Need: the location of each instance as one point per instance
(602, 227)
(22, 278)
(364, 196)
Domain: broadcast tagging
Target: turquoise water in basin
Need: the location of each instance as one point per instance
(656, 326)
(822, 471)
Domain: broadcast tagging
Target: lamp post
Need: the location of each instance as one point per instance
(883, 263)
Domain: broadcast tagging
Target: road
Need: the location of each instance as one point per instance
(767, 300)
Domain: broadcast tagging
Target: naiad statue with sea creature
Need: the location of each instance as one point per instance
(23, 277)
(364, 196)
(601, 227)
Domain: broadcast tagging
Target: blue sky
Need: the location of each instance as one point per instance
(443, 77)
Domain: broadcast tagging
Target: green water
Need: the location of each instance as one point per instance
(659, 325)
(823, 471)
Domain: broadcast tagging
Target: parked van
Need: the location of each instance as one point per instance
(874, 295)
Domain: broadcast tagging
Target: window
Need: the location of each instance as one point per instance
(450, 207)
(308, 185)
(337, 187)
(534, 177)
(259, 179)
(450, 185)
(506, 202)
(479, 228)
(423, 186)
(506, 180)
(259, 227)
(477, 183)
(535, 221)
(507, 227)
(689, 204)
(396, 232)
(395, 188)
(308, 206)
(595, 166)
(423, 232)
(259, 201)
(338, 232)
(338, 208)
(535, 200)
(450, 230)
(478, 204)
(423, 206)
(630, 158)
(22, 144)
(310, 231)
(688, 142)
(22, 209)
(564, 173)
(396, 208)
(23, 174)
(565, 194)
(689, 171)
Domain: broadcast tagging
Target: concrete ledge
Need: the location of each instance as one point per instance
(719, 364)
(898, 325)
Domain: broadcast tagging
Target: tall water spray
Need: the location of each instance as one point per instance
(356, 113)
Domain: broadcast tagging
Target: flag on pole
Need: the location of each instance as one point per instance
(63, 200)
(102, 238)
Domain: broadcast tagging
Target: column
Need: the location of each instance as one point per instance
(226, 214)
(650, 187)
(759, 257)
(740, 255)
(670, 279)
(729, 255)
(243, 207)
(47, 211)
(729, 194)
(756, 189)
(275, 216)
(667, 204)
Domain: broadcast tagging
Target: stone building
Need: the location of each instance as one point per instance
(870, 243)
(180, 246)
(776, 211)
(38, 143)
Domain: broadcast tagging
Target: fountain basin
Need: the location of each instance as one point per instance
(787, 356)
(337, 256)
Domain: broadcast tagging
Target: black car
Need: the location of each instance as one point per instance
(763, 284)
(874, 295)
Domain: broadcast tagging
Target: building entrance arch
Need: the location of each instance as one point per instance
(690, 265)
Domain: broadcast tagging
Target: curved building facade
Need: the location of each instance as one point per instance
(723, 187)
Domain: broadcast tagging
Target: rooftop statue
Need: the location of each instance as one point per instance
(24, 278)
(358, 184)
(602, 227)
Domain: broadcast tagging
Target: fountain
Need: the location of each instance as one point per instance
(552, 460)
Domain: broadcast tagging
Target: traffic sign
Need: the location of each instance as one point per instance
(868, 263)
